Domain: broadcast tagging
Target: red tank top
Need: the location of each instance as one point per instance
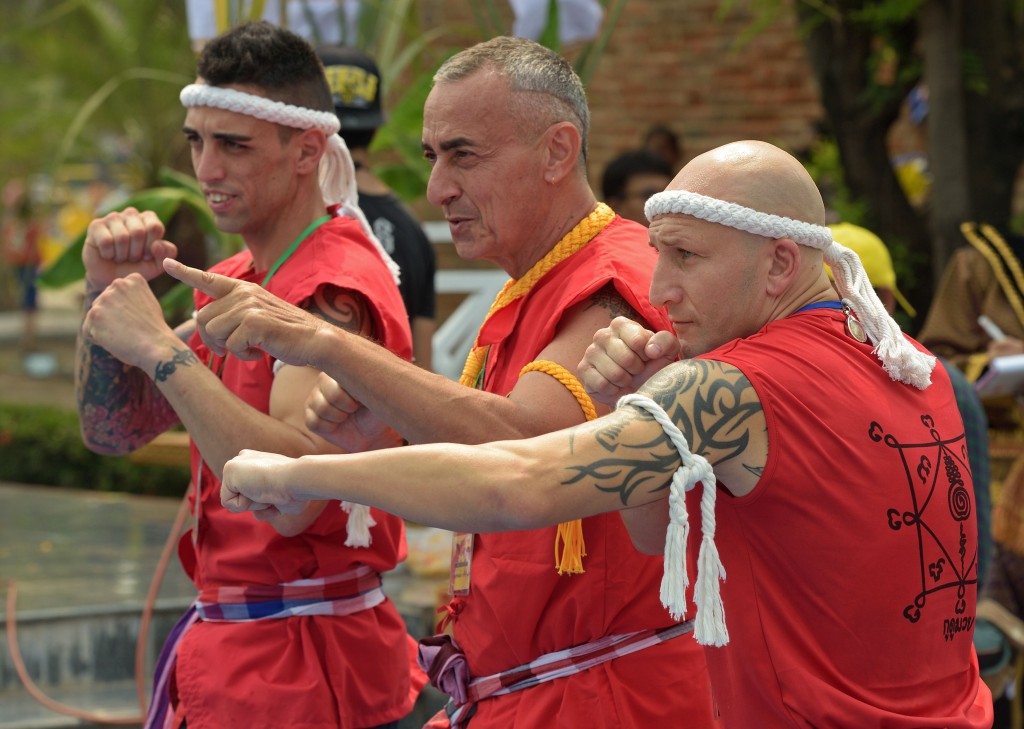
(852, 566)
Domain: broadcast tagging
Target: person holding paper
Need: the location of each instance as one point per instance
(983, 278)
(977, 316)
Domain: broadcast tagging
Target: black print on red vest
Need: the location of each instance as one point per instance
(936, 494)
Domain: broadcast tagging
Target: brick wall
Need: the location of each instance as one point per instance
(673, 62)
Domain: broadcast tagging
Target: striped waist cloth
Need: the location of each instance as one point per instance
(344, 594)
(446, 666)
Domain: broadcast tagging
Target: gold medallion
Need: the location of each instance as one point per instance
(854, 327)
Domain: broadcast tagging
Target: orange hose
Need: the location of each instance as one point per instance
(140, 645)
(34, 691)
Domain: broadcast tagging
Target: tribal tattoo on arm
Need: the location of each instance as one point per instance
(182, 357)
(631, 463)
(712, 403)
(343, 308)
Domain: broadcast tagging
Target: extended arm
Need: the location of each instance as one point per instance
(222, 424)
(422, 406)
(621, 460)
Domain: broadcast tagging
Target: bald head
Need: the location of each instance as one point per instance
(757, 175)
(762, 177)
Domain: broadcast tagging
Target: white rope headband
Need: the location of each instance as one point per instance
(899, 358)
(337, 173)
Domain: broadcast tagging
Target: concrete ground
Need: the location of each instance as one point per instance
(83, 560)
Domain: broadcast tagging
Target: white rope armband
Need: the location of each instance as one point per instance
(709, 622)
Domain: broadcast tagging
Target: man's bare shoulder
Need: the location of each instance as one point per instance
(717, 410)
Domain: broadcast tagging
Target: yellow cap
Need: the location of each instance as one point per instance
(875, 258)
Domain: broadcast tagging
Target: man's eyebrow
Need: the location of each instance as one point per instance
(223, 136)
(449, 144)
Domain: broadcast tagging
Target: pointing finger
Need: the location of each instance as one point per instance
(211, 284)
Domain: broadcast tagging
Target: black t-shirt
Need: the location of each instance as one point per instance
(403, 238)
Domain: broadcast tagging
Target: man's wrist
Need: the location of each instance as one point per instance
(323, 341)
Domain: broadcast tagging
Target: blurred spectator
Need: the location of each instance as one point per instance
(664, 142)
(22, 233)
(985, 277)
(630, 179)
(356, 86)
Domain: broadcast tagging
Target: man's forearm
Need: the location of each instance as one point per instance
(119, 408)
(424, 407)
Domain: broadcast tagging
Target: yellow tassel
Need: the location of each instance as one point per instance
(570, 548)
(569, 541)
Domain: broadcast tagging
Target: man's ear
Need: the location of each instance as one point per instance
(310, 145)
(563, 146)
(784, 265)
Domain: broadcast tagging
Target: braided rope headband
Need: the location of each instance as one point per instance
(899, 358)
(337, 172)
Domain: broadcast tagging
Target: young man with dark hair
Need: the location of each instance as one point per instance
(291, 627)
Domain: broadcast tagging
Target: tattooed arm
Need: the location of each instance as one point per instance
(120, 408)
(621, 460)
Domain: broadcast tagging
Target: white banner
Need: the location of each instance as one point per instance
(578, 20)
(319, 21)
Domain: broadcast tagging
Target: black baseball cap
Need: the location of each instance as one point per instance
(354, 80)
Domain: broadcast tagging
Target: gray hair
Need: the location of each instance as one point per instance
(555, 92)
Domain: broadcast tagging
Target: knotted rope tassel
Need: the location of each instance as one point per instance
(709, 622)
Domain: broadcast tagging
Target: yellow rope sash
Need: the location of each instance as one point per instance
(1001, 260)
(514, 289)
(570, 548)
(569, 539)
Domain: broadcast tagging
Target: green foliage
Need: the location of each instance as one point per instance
(177, 191)
(826, 169)
(403, 135)
(881, 14)
(40, 445)
(80, 74)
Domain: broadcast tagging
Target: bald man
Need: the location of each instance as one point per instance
(844, 501)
